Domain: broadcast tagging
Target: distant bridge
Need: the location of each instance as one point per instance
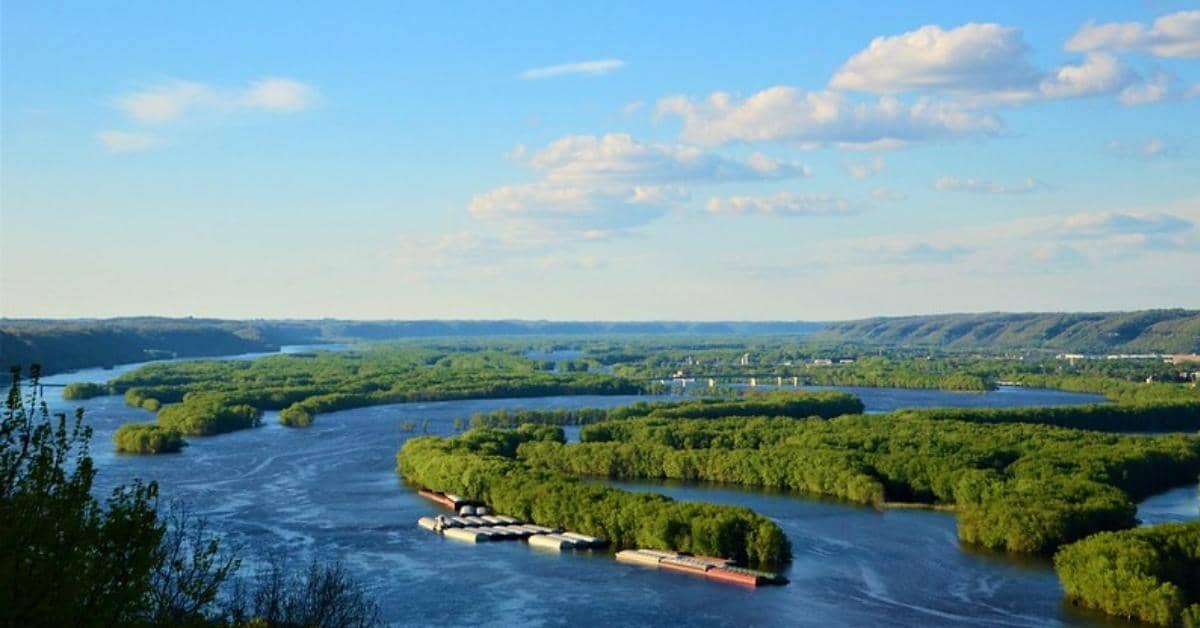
(712, 379)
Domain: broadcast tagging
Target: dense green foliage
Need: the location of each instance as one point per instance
(85, 390)
(480, 464)
(147, 438)
(211, 397)
(796, 405)
(1016, 486)
(304, 385)
(1158, 417)
(1166, 331)
(1147, 574)
(205, 414)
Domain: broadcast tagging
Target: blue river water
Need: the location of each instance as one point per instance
(330, 492)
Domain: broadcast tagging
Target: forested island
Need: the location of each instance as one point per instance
(203, 398)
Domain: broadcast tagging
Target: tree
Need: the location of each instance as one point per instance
(64, 559)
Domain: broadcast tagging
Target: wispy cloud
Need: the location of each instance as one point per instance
(977, 186)
(783, 204)
(126, 141)
(809, 119)
(590, 68)
(170, 102)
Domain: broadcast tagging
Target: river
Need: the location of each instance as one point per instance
(330, 492)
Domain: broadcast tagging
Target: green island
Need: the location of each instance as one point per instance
(485, 464)
(1016, 487)
(1147, 574)
(211, 397)
(147, 438)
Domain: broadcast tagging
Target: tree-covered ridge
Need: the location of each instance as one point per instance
(1019, 487)
(1146, 331)
(480, 464)
(68, 345)
(209, 397)
(1148, 574)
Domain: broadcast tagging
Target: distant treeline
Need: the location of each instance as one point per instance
(63, 345)
(480, 465)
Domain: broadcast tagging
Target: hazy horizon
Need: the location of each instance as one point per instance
(678, 162)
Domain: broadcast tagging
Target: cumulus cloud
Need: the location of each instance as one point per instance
(970, 58)
(589, 68)
(606, 184)
(864, 169)
(986, 65)
(1100, 73)
(978, 186)
(783, 204)
(126, 141)
(172, 101)
(787, 114)
(1173, 35)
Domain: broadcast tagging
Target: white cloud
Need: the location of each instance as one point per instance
(783, 204)
(1100, 73)
(977, 186)
(618, 157)
(1147, 92)
(632, 107)
(970, 58)
(787, 114)
(126, 141)
(1173, 35)
(591, 68)
(277, 94)
(864, 169)
(607, 184)
(986, 65)
(172, 101)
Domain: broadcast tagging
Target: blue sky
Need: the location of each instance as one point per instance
(562, 161)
